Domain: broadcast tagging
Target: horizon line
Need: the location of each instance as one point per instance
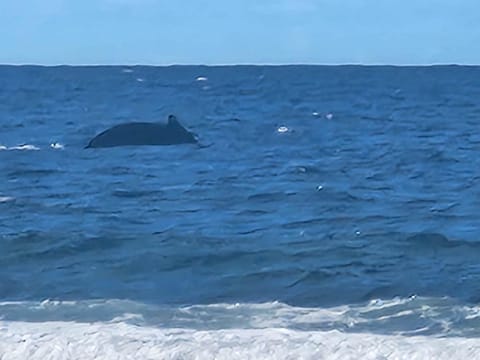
(238, 64)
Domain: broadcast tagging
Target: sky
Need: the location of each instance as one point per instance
(163, 32)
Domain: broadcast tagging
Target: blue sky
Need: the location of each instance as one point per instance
(239, 31)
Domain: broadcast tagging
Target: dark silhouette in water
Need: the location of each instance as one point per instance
(144, 133)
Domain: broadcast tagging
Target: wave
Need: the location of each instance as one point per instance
(437, 317)
(20, 147)
(400, 328)
(26, 147)
(68, 340)
(112, 329)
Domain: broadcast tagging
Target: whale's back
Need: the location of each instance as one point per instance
(143, 133)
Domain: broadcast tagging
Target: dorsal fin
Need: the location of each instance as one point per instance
(172, 121)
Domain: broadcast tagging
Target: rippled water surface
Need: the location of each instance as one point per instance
(313, 187)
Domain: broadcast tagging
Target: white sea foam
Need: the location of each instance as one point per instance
(4, 199)
(57, 146)
(23, 147)
(70, 340)
(201, 78)
(115, 329)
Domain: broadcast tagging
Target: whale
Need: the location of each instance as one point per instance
(144, 133)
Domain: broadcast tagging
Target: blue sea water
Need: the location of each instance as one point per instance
(316, 187)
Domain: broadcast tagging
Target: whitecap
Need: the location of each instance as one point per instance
(4, 199)
(63, 339)
(201, 78)
(282, 129)
(140, 80)
(329, 116)
(2, 147)
(127, 70)
(111, 329)
(56, 145)
(24, 147)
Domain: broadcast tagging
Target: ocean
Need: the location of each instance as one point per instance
(328, 212)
